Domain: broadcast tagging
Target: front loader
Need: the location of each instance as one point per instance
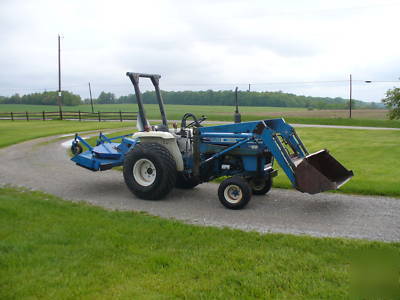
(156, 158)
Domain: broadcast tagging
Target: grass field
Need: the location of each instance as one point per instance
(172, 108)
(19, 131)
(372, 155)
(54, 249)
(224, 113)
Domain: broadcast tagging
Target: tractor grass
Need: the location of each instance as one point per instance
(12, 132)
(54, 249)
(361, 117)
(372, 155)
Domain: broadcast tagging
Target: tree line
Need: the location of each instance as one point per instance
(209, 97)
(44, 98)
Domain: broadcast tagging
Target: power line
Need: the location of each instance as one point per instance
(256, 83)
(380, 81)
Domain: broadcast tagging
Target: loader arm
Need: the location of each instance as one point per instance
(310, 173)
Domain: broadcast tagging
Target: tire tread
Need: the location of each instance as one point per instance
(159, 153)
(244, 186)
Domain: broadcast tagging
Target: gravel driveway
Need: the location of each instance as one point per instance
(43, 164)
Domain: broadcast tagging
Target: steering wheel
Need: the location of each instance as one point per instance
(196, 122)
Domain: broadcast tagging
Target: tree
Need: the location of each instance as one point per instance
(106, 98)
(14, 99)
(392, 102)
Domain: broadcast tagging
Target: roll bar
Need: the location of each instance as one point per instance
(155, 79)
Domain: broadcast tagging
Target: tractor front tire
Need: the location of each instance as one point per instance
(186, 182)
(149, 171)
(260, 186)
(234, 193)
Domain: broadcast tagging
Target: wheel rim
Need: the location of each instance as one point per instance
(233, 194)
(258, 185)
(144, 172)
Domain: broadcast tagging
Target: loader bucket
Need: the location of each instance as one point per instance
(319, 172)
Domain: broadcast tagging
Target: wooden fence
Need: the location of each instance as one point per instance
(70, 115)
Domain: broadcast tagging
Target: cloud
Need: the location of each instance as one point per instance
(199, 45)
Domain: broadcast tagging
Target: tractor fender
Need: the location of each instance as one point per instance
(166, 139)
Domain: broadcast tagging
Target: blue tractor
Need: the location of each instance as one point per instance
(158, 158)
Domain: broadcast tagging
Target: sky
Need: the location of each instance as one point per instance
(303, 47)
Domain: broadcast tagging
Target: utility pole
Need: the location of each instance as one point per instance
(91, 100)
(59, 77)
(351, 87)
(249, 87)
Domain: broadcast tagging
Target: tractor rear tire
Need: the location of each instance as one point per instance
(260, 186)
(186, 182)
(149, 171)
(234, 193)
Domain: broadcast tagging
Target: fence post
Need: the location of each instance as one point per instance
(27, 116)
(61, 116)
(12, 116)
(99, 116)
(79, 115)
(44, 116)
(120, 115)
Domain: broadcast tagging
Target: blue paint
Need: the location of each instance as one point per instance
(250, 163)
(106, 155)
(225, 150)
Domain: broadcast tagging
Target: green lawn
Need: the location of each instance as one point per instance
(372, 155)
(224, 113)
(344, 122)
(54, 249)
(12, 132)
